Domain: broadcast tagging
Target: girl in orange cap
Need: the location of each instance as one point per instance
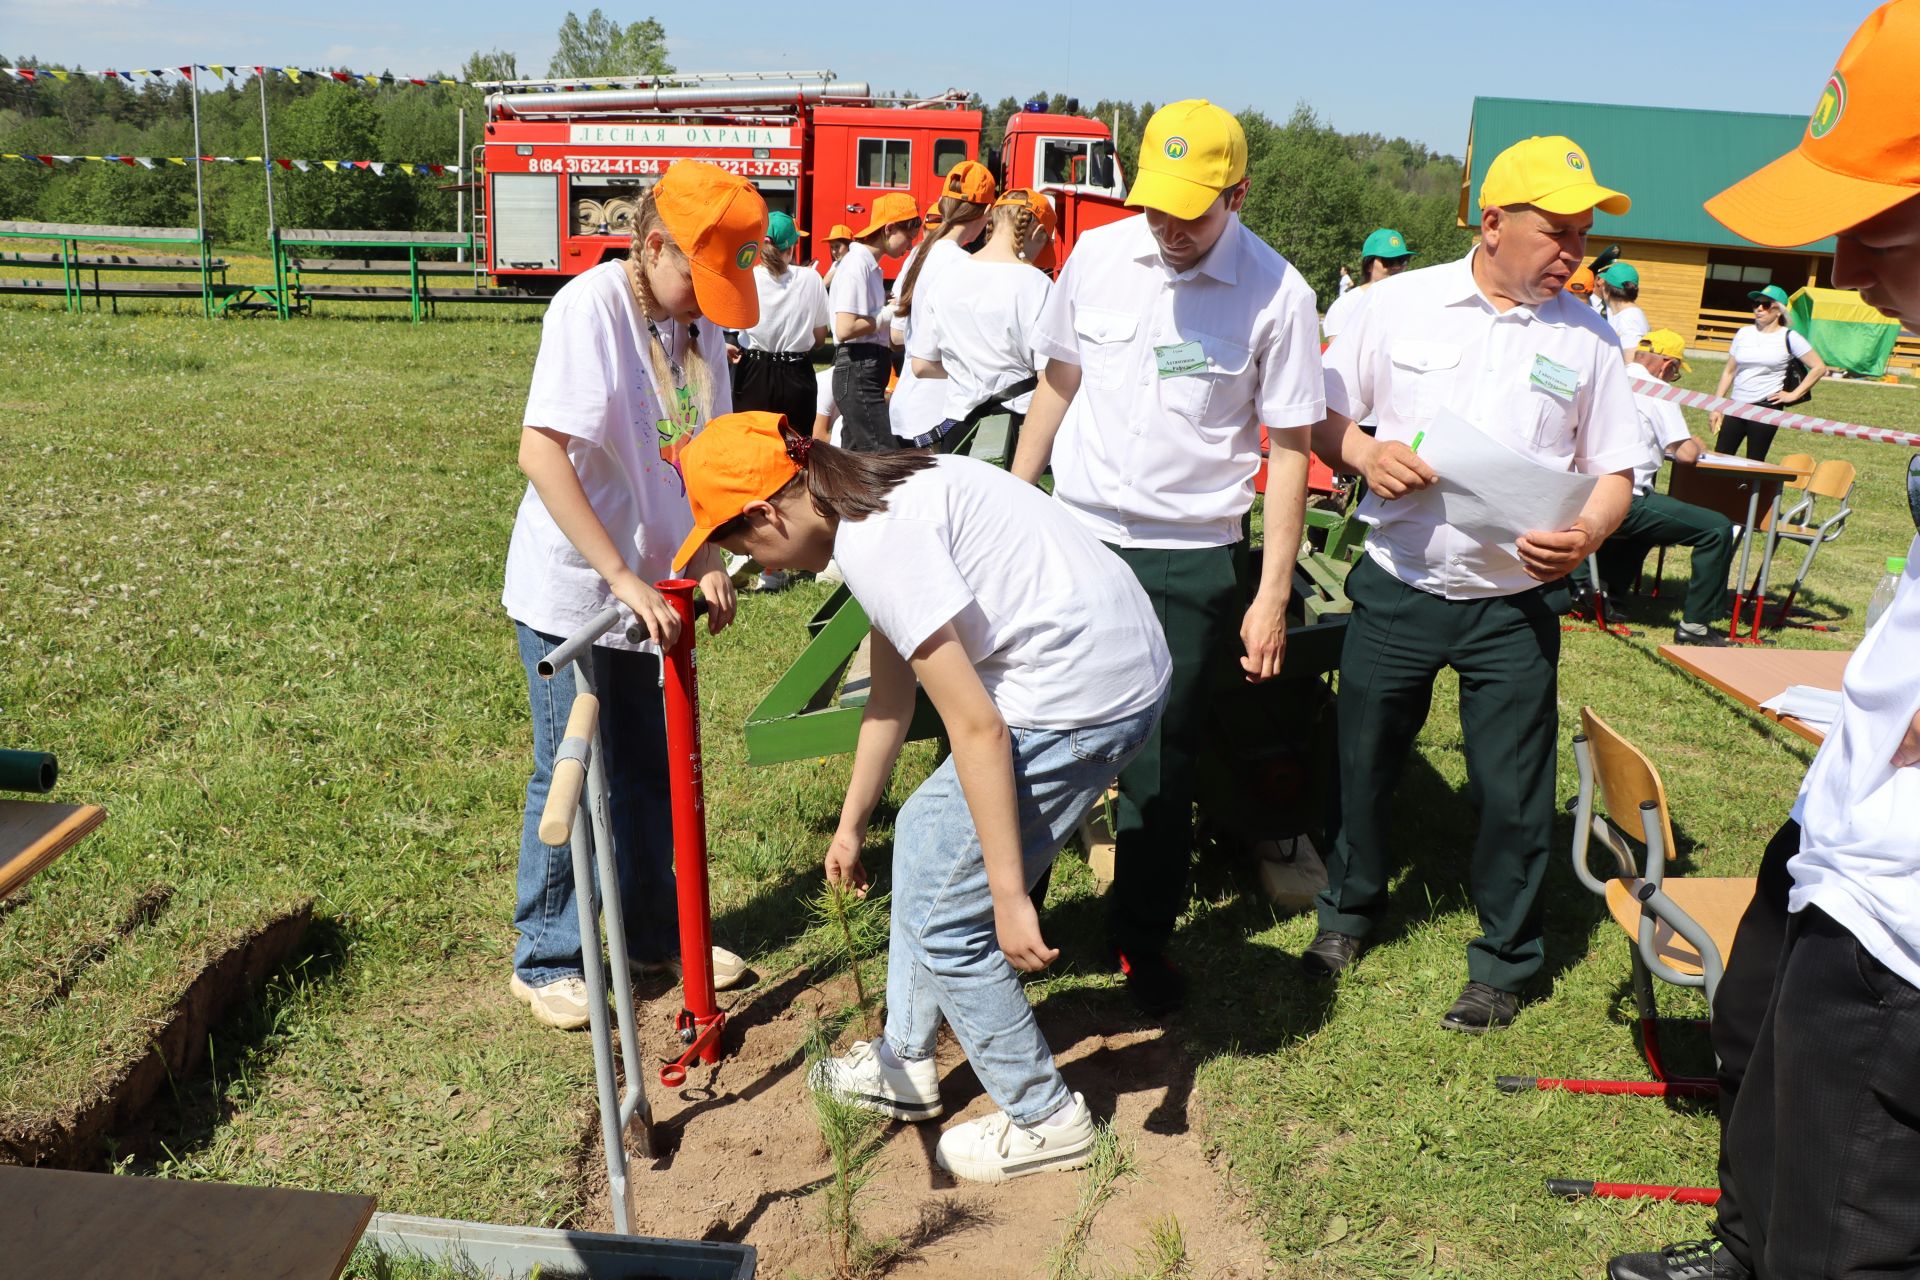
(1048, 669)
(973, 340)
(966, 198)
(627, 372)
(864, 358)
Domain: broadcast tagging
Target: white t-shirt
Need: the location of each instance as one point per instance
(915, 405)
(1055, 623)
(1859, 816)
(1630, 322)
(980, 329)
(792, 306)
(859, 289)
(1762, 361)
(593, 382)
(823, 402)
(1661, 426)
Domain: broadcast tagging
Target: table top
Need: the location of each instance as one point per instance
(1711, 461)
(1751, 675)
(33, 833)
(58, 1223)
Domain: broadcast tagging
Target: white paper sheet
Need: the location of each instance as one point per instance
(1732, 461)
(1806, 702)
(1490, 491)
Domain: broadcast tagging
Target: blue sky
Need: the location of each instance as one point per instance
(1387, 66)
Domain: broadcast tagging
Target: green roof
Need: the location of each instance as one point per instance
(1669, 159)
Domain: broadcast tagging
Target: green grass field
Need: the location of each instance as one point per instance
(251, 579)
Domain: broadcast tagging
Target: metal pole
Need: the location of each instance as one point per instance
(199, 187)
(459, 185)
(273, 226)
(701, 1021)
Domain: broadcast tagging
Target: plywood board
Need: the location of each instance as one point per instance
(33, 833)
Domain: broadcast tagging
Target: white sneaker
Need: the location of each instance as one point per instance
(561, 1003)
(772, 580)
(910, 1091)
(728, 969)
(995, 1149)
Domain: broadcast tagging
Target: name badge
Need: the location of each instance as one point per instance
(1180, 359)
(1554, 377)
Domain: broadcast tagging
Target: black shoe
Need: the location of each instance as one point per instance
(1689, 1260)
(1329, 954)
(1708, 638)
(1481, 1008)
(1156, 986)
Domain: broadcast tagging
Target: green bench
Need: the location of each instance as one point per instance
(80, 270)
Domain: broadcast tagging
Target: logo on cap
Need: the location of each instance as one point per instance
(748, 255)
(1176, 148)
(1575, 160)
(1832, 105)
(1394, 241)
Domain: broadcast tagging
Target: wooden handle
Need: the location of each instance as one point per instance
(569, 776)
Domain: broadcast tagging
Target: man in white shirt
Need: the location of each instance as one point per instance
(1816, 1024)
(1656, 520)
(1171, 338)
(1494, 340)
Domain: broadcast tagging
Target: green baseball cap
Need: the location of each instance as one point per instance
(781, 231)
(1621, 274)
(1386, 243)
(1772, 293)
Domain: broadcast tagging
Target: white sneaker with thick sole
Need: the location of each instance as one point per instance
(996, 1149)
(910, 1091)
(561, 1004)
(728, 969)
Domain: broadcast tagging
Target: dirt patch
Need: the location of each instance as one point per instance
(70, 1138)
(741, 1159)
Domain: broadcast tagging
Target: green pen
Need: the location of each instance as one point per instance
(1418, 436)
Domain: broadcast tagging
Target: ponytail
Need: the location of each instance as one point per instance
(699, 376)
(953, 212)
(1021, 219)
(775, 259)
(841, 484)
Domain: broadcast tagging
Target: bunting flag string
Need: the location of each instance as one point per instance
(237, 73)
(1776, 417)
(379, 168)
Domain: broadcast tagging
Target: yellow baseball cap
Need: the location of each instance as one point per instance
(1665, 342)
(1549, 173)
(1191, 152)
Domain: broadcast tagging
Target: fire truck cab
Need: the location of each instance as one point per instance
(563, 164)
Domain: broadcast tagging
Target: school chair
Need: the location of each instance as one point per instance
(1680, 929)
(1832, 482)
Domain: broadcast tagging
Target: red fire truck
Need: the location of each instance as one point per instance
(563, 164)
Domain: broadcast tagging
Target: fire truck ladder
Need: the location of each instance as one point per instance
(479, 222)
(671, 80)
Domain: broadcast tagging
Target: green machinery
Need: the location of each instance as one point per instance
(808, 714)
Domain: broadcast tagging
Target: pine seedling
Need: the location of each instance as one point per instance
(853, 1137)
(852, 928)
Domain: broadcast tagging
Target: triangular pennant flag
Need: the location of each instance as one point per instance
(26, 73)
(143, 161)
(253, 160)
(187, 72)
(61, 76)
(291, 73)
(333, 166)
(379, 169)
(261, 72)
(341, 76)
(45, 160)
(218, 69)
(84, 157)
(283, 162)
(370, 78)
(179, 160)
(439, 169)
(126, 160)
(411, 80)
(301, 165)
(457, 82)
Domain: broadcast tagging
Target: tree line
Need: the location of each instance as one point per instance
(1316, 192)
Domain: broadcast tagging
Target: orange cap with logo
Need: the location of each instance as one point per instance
(1037, 202)
(1860, 154)
(895, 206)
(738, 458)
(970, 181)
(840, 231)
(718, 220)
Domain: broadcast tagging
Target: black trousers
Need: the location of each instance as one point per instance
(765, 383)
(1757, 436)
(860, 372)
(1823, 1147)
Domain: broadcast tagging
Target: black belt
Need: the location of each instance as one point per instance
(979, 411)
(782, 357)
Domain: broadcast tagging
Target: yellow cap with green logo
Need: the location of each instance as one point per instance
(1191, 152)
(1548, 173)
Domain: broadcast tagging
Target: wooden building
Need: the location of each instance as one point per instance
(1694, 274)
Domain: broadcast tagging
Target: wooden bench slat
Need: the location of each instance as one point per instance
(376, 266)
(110, 261)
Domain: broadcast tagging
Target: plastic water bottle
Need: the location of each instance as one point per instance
(1882, 598)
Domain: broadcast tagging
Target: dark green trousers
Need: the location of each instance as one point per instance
(1507, 651)
(1200, 596)
(1655, 520)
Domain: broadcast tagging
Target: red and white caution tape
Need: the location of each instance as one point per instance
(1776, 417)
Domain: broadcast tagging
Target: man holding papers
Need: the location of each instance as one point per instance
(1489, 363)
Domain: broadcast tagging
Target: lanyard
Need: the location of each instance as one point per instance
(682, 414)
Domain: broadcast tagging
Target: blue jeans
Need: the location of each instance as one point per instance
(944, 957)
(633, 737)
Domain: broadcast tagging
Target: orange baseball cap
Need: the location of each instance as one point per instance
(1037, 202)
(1860, 154)
(931, 218)
(718, 220)
(970, 181)
(840, 231)
(895, 206)
(1550, 173)
(738, 458)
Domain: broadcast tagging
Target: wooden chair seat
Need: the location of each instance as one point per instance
(1716, 902)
